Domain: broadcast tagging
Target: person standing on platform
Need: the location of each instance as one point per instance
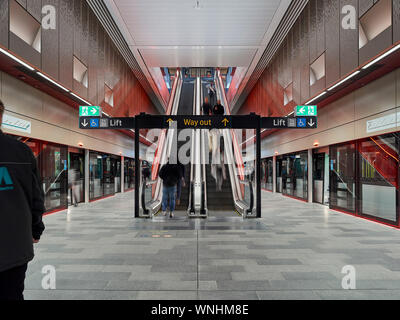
(170, 175)
(22, 207)
(73, 185)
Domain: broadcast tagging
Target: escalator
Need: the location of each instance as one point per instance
(185, 108)
(200, 196)
(217, 200)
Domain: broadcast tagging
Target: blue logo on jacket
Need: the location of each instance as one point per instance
(6, 182)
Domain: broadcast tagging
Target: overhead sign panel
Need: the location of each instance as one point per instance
(198, 122)
(305, 111)
(90, 111)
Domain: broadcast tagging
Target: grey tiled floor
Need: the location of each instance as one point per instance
(296, 251)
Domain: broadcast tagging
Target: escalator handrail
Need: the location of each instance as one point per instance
(238, 156)
(160, 144)
(162, 148)
(251, 188)
(192, 203)
(230, 152)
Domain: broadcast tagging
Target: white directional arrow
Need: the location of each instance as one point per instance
(302, 110)
(84, 123)
(311, 123)
(94, 111)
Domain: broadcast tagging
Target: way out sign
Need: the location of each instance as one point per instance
(89, 111)
(305, 111)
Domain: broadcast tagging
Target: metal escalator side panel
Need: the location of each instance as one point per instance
(191, 208)
(221, 93)
(198, 173)
(154, 204)
(164, 150)
(175, 95)
(204, 153)
(232, 152)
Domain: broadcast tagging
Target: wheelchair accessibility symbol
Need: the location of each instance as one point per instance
(301, 122)
(94, 123)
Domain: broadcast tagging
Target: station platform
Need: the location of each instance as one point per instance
(295, 251)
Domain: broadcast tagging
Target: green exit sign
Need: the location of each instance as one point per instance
(89, 111)
(305, 111)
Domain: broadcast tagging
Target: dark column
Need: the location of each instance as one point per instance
(137, 169)
(258, 167)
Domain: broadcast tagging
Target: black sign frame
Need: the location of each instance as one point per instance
(251, 121)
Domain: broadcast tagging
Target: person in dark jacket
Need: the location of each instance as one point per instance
(22, 207)
(170, 175)
(181, 182)
(218, 108)
(207, 109)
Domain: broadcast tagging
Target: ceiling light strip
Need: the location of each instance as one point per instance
(52, 81)
(16, 59)
(83, 100)
(344, 80)
(382, 56)
(317, 97)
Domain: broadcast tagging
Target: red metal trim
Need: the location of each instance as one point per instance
(54, 211)
(102, 198)
(366, 218)
(266, 190)
(295, 198)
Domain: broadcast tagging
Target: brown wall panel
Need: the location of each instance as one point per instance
(101, 65)
(66, 42)
(296, 64)
(348, 44)
(50, 42)
(77, 27)
(313, 30)
(85, 34)
(22, 3)
(332, 32)
(376, 46)
(4, 25)
(396, 21)
(24, 50)
(304, 56)
(320, 28)
(324, 34)
(92, 65)
(34, 7)
(364, 6)
(79, 33)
